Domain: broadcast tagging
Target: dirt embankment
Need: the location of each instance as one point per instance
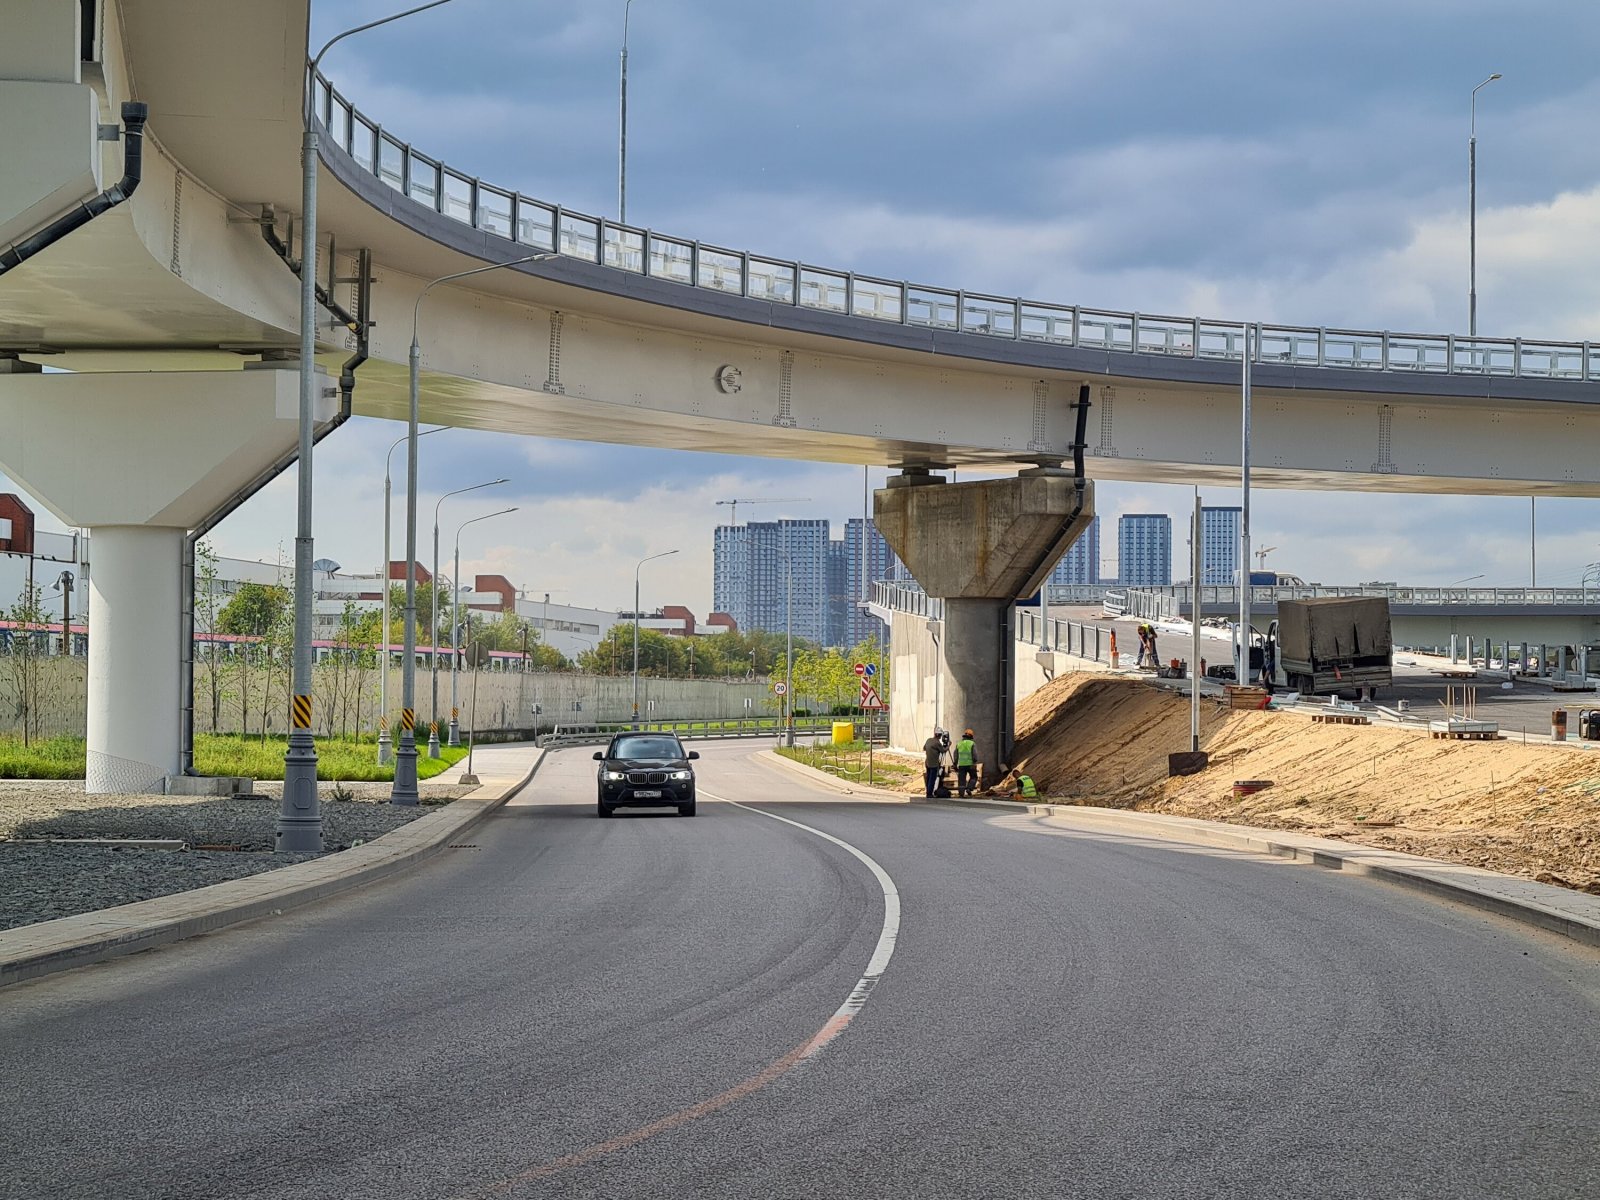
(1530, 810)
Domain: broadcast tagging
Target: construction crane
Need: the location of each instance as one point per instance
(1261, 557)
(733, 511)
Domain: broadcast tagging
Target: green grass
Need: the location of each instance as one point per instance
(850, 762)
(227, 754)
(230, 754)
(53, 758)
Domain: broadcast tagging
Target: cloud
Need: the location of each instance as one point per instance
(1298, 164)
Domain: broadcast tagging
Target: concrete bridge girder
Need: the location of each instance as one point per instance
(140, 460)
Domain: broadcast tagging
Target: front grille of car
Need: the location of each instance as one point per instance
(647, 776)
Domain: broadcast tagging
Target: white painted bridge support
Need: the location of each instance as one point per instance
(135, 646)
(139, 460)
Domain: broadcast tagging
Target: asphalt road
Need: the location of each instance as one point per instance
(548, 1011)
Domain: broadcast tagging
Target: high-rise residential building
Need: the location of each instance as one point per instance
(1144, 550)
(750, 577)
(863, 547)
(1219, 543)
(748, 581)
(1081, 563)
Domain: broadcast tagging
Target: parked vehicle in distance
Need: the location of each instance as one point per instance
(1333, 644)
(645, 770)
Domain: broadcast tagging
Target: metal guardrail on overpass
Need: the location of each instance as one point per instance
(544, 226)
(1162, 603)
(1069, 637)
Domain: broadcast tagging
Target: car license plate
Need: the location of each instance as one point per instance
(647, 794)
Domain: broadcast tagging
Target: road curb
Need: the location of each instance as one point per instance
(32, 951)
(1563, 911)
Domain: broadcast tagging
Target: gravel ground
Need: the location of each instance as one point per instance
(43, 881)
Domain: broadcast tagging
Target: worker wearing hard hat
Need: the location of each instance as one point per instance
(966, 764)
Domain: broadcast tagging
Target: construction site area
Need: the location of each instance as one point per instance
(1518, 802)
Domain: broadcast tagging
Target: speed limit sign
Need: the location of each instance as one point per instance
(780, 689)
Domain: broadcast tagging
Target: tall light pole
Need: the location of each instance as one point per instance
(405, 765)
(433, 727)
(299, 827)
(622, 139)
(1242, 662)
(1472, 293)
(1472, 212)
(455, 617)
(788, 650)
(641, 563)
(385, 747)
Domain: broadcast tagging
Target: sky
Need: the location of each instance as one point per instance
(1255, 160)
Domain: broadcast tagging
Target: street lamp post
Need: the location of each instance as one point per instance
(1472, 212)
(455, 618)
(641, 563)
(622, 139)
(299, 827)
(385, 745)
(405, 766)
(433, 726)
(788, 650)
(1472, 293)
(788, 646)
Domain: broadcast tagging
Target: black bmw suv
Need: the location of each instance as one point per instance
(645, 770)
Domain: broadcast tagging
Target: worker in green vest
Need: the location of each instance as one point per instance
(1019, 785)
(966, 765)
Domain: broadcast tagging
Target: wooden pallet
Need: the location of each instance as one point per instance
(1466, 735)
(1246, 697)
(1341, 719)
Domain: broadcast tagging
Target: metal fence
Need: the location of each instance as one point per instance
(1068, 637)
(867, 729)
(543, 226)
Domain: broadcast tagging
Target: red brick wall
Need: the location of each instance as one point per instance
(21, 517)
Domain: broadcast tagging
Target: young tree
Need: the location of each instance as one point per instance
(658, 653)
(207, 608)
(255, 612)
(254, 609)
(277, 644)
(22, 670)
(397, 613)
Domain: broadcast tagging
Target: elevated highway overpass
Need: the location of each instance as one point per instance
(624, 335)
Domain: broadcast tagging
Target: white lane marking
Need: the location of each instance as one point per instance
(887, 937)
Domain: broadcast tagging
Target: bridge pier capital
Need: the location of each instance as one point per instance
(139, 460)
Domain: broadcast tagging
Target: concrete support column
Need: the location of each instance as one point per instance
(979, 547)
(136, 640)
(976, 683)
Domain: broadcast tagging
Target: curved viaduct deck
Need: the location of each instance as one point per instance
(748, 354)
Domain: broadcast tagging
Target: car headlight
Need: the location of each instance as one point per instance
(681, 775)
(613, 776)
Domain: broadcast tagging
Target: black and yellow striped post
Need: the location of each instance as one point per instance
(299, 825)
(408, 720)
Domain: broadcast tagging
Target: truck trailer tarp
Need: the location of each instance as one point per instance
(1350, 630)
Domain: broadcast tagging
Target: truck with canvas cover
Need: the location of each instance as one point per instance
(1332, 644)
